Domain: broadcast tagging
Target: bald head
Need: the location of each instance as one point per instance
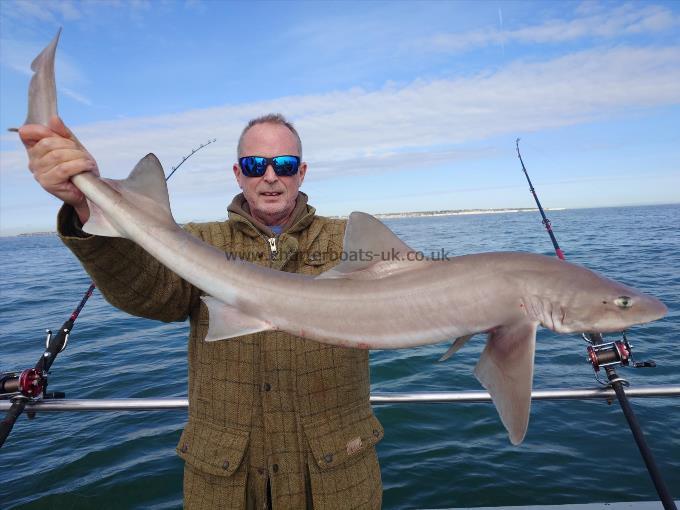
(270, 118)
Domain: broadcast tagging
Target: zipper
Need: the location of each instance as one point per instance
(272, 246)
(273, 250)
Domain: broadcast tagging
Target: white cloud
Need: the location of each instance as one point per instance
(424, 123)
(43, 11)
(75, 96)
(590, 21)
(425, 117)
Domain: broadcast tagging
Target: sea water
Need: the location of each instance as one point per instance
(432, 456)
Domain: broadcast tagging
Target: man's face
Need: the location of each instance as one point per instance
(271, 198)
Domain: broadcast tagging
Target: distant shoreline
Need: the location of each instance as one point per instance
(455, 212)
(415, 214)
(35, 234)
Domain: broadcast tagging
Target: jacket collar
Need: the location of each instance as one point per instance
(239, 214)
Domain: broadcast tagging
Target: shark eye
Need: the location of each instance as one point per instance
(623, 302)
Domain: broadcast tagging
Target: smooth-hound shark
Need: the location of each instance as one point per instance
(367, 304)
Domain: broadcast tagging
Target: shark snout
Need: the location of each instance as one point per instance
(629, 310)
(610, 314)
(654, 309)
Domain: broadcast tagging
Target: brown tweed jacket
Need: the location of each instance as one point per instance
(268, 408)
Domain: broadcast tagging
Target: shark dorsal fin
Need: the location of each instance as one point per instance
(371, 251)
(145, 187)
(148, 179)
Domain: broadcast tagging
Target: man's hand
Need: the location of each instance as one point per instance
(54, 156)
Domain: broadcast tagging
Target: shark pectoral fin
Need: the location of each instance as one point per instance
(145, 188)
(456, 345)
(372, 251)
(506, 369)
(229, 322)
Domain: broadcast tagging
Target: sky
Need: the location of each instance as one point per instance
(401, 106)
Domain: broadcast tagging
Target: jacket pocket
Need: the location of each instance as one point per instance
(213, 449)
(340, 437)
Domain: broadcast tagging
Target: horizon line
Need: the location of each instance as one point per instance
(409, 214)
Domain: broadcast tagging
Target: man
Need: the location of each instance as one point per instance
(274, 420)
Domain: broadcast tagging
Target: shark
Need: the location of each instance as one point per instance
(383, 295)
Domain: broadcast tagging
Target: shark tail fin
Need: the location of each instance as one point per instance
(145, 188)
(42, 91)
(506, 370)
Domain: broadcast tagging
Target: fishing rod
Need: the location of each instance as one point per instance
(607, 356)
(30, 385)
(546, 221)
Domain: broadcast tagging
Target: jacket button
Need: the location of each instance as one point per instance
(225, 464)
(185, 448)
(376, 432)
(328, 458)
(266, 386)
(275, 468)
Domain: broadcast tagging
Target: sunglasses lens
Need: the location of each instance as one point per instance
(286, 165)
(256, 166)
(253, 166)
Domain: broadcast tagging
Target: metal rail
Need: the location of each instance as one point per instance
(436, 397)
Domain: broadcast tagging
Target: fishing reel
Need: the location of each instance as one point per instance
(612, 354)
(29, 383)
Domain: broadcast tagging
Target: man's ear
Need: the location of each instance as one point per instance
(237, 174)
(302, 171)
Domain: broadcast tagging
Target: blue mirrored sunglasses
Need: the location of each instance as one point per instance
(256, 166)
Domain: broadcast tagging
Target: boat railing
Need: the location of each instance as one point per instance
(379, 398)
